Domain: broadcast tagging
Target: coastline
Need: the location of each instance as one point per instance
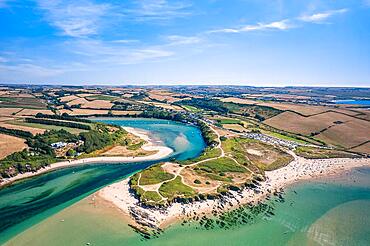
(300, 169)
(161, 153)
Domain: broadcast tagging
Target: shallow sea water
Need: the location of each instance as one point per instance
(28, 202)
(331, 211)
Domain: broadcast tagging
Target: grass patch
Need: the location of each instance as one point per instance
(280, 162)
(175, 188)
(191, 108)
(213, 176)
(319, 153)
(221, 165)
(154, 175)
(135, 146)
(285, 137)
(101, 97)
(207, 153)
(256, 154)
(150, 198)
(234, 147)
(228, 121)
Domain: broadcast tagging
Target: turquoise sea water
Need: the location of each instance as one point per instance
(30, 201)
(323, 212)
(186, 140)
(331, 211)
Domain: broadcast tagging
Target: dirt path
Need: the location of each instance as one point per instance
(155, 187)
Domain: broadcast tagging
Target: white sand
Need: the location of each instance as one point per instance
(299, 169)
(150, 145)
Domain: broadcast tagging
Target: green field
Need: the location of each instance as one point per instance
(150, 198)
(154, 175)
(285, 137)
(207, 153)
(22, 102)
(46, 127)
(101, 97)
(228, 121)
(175, 188)
(319, 153)
(221, 165)
(235, 148)
(191, 108)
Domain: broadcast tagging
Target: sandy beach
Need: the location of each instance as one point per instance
(150, 145)
(298, 170)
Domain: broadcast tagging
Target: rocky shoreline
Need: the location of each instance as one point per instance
(146, 219)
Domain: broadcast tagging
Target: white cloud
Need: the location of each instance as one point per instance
(283, 24)
(159, 10)
(84, 18)
(277, 25)
(321, 17)
(112, 54)
(74, 18)
(31, 70)
(141, 55)
(125, 41)
(182, 40)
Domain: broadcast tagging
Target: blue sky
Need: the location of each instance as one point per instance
(245, 42)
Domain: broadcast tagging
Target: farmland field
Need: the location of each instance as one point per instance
(42, 127)
(77, 101)
(235, 127)
(239, 100)
(9, 111)
(22, 102)
(296, 123)
(285, 137)
(32, 112)
(165, 106)
(365, 148)
(101, 97)
(333, 128)
(228, 121)
(77, 111)
(316, 153)
(348, 134)
(32, 130)
(306, 110)
(191, 108)
(98, 104)
(68, 98)
(10, 144)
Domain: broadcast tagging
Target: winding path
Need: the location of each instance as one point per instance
(155, 187)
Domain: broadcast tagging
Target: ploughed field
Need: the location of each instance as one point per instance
(10, 144)
(331, 127)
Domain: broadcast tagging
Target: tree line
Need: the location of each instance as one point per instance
(58, 123)
(64, 116)
(15, 132)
